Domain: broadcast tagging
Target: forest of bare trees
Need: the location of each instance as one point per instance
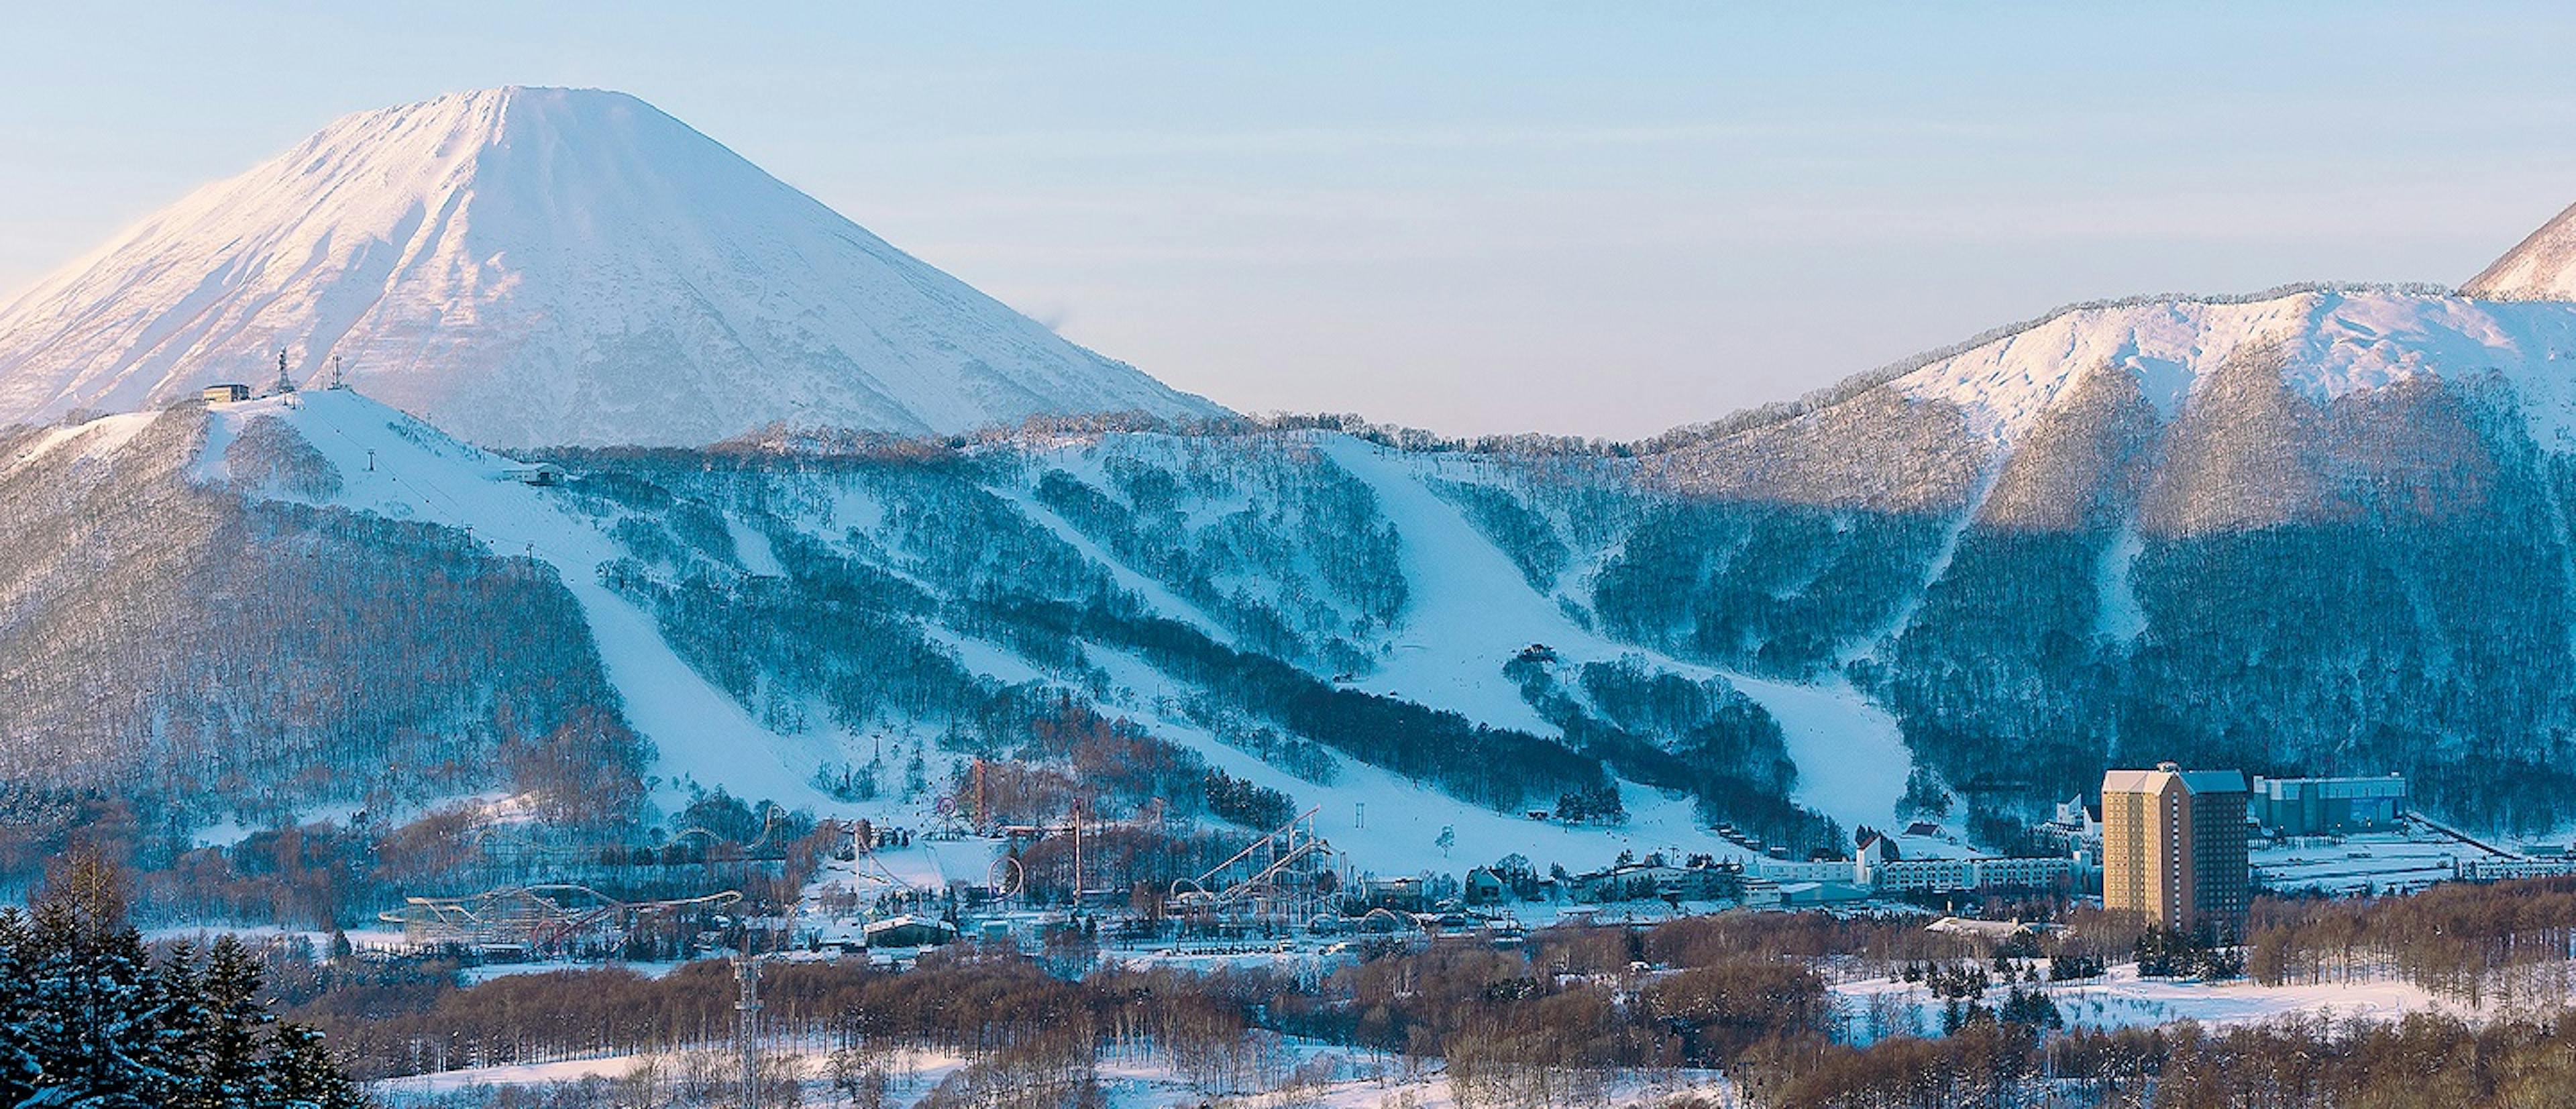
(1554, 1024)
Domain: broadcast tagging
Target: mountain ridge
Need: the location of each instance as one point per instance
(1924, 433)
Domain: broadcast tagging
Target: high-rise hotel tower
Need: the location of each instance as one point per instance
(2173, 847)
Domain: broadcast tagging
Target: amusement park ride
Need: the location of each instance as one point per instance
(1285, 878)
(1288, 878)
(540, 919)
(547, 918)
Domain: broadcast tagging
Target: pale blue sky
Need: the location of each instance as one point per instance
(1473, 217)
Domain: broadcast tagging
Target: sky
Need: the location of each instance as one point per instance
(1594, 220)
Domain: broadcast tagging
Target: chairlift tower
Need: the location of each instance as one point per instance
(747, 1020)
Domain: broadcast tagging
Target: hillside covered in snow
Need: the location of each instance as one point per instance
(1224, 628)
(530, 267)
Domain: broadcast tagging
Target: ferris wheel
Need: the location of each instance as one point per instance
(1005, 878)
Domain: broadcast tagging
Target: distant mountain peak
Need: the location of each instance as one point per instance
(2540, 267)
(537, 266)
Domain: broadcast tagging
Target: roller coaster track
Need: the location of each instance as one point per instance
(1275, 869)
(539, 917)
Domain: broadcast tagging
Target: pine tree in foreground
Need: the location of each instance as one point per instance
(89, 1021)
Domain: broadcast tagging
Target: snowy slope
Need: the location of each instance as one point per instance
(2331, 343)
(1389, 824)
(1473, 610)
(395, 467)
(1470, 608)
(543, 267)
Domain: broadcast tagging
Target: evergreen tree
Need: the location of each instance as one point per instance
(182, 985)
(20, 1070)
(231, 1070)
(89, 1021)
(303, 1075)
(97, 1022)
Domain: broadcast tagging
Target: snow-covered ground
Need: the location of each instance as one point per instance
(925, 866)
(1472, 608)
(397, 1091)
(1469, 609)
(263, 935)
(476, 975)
(2333, 342)
(1286, 1072)
(1852, 760)
(1391, 825)
(1877, 1007)
(2118, 615)
(2374, 862)
(96, 439)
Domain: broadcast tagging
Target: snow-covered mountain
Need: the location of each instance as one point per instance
(529, 266)
(2233, 401)
(2541, 267)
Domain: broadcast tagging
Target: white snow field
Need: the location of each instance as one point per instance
(2121, 999)
(528, 267)
(94, 439)
(2540, 267)
(1392, 825)
(2370, 862)
(1852, 760)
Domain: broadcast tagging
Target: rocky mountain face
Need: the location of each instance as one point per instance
(528, 267)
